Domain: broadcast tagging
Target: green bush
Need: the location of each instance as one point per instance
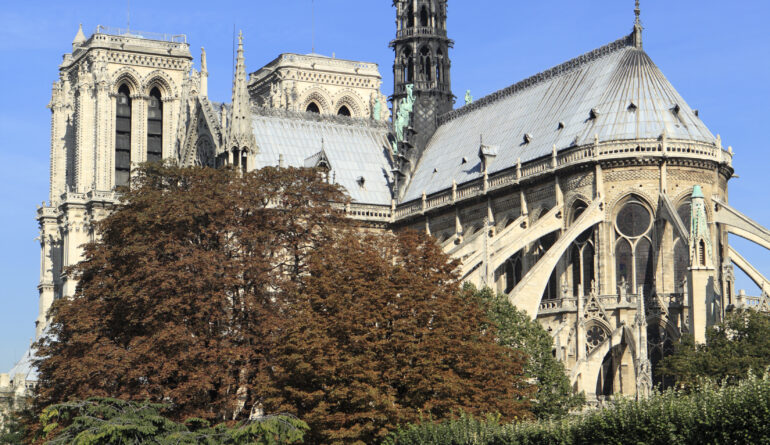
(103, 421)
(738, 414)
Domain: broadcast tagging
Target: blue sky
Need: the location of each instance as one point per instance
(716, 53)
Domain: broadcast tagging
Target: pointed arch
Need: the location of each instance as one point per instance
(129, 77)
(349, 99)
(317, 96)
(424, 16)
(426, 66)
(161, 80)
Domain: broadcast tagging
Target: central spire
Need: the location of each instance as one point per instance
(638, 26)
(638, 12)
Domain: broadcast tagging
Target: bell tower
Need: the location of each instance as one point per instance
(422, 60)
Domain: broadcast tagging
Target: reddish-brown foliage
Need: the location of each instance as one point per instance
(381, 336)
(221, 293)
(179, 301)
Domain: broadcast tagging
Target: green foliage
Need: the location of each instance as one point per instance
(734, 348)
(731, 414)
(13, 429)
(103, 421)
(515, 329)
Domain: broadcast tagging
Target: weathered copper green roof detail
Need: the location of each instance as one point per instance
(699, 231)
(697, 192)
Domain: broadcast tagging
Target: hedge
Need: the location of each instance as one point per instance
(738, 414)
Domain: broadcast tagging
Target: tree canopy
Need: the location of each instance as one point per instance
(516, 330)
(225, 295)
(734, 348)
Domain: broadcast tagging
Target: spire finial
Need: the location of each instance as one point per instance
(638, 26)
(638, 12)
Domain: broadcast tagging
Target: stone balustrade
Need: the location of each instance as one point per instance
(543, 167)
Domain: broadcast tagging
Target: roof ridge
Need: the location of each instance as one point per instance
(567, 66)
(309, 116)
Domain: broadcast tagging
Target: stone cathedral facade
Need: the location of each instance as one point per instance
(590, 194)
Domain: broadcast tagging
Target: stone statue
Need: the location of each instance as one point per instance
(204, 64)
(403, 116)
(377, 109)
(468, 97)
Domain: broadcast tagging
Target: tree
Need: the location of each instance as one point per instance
(106, 421)
(515, 329)
(179, 299)
(224, 295)
(734, 348)
(13, 428)
(382, 336)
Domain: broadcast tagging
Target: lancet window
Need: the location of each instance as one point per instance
(426, 67)
(424, 19)
(634, 256)
(582, 256)
(155, 127)
(123, 137)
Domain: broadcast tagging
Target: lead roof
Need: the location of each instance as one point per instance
(357, 150)
(615, 92)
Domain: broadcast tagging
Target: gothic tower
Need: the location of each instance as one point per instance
(422, 60)
(116, 104)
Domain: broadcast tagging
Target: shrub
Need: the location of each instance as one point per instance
(738, 414)
(103, 421)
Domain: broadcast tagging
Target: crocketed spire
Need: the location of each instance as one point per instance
(240, 136)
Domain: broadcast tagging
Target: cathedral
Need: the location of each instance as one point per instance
(590, 194)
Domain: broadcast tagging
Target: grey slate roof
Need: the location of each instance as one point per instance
(25, 367)
(355, 148)
(590, 95)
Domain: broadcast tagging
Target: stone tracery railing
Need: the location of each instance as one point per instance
(568, 158)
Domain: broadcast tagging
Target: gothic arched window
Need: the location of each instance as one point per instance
(681, 263)
(406, 62)
(123, 137)
(312, 107)
(425, 64)
(343, 111)
(582, 256)
(633, 250)
(424, 16)
(513, 272)
(155, 127)
(410, 16)
(439, 66)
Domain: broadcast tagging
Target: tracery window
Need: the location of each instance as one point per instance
(513, 273)
(426, 67)
(123, 137)
(410, 16)
(595, 336)
(155, 127)
(682, 249)
(552, 288)
(406, 61)
(424, 16)
(660, 344)
(634, 255)
(582, 256)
